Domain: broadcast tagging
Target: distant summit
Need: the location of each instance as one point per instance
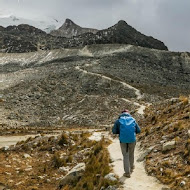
(123, 33)
(70, 29)
(120, 33)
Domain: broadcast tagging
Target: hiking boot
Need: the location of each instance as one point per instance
(126, 175)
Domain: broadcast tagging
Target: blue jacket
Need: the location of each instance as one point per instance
(126, 134)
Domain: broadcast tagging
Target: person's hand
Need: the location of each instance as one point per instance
(114, 136)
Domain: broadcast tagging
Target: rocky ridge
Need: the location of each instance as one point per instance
(26, 38)
(120, 33)
(70, 29)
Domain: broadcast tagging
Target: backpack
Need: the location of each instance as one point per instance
(127, 128)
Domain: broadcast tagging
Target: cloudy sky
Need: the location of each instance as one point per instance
(166, 20)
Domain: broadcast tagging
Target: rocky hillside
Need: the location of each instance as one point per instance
(57, 162)
(26, 38)
(87, 86)
(166, 135)
(70, 29)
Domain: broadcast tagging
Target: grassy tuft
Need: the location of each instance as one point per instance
(97, 166)
(64, 139)
(184, 99)
(57, 161)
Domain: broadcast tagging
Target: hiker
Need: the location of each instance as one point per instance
(127, 128)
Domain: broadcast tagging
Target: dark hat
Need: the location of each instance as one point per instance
(125, 110)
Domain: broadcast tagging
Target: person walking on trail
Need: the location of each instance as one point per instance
(127, 128)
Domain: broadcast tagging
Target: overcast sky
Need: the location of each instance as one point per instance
(166, 20)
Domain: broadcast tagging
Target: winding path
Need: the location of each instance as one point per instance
(139, 179)
(124, 84)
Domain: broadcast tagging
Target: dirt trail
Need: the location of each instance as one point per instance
(138, 94)
(139, 179)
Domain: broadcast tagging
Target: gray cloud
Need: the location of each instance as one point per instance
(164, 20)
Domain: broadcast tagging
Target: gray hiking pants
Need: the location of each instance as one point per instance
(127, 150)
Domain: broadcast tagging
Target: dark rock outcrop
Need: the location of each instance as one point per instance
(26, 38)
(11, 44)
(121, 33)
(70, 29)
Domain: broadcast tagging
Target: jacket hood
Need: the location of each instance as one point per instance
(125, 114)
(126, 118)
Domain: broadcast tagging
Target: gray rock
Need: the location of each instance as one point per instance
(64, 169)
(73, 175)
(111, 177)
(168, 145)
(144, 154)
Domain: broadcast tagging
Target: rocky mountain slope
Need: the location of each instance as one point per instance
(166, 135)
(87, 86)
(26, 38)
(70, 29)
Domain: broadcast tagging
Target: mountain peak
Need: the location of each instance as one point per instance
(70, 29)
(121, 22)
(69, 22)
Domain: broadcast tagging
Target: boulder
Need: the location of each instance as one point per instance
(168, 145)
(111, 177)
(73, 175)
(144, 154)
